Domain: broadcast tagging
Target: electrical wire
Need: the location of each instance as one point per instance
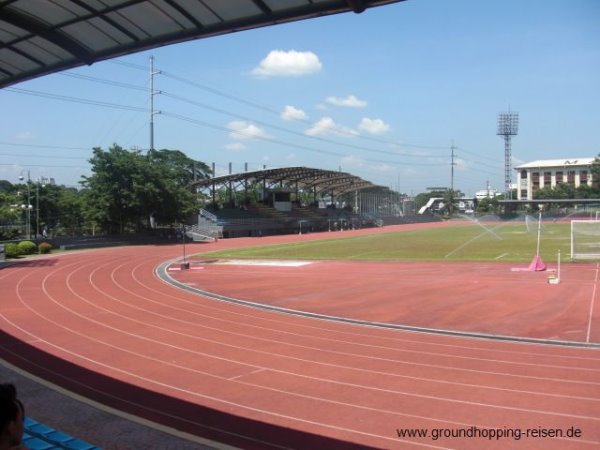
(266, 108)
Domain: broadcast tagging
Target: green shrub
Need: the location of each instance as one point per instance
(44, 248)
(7, 234)
(11, 250)
(27, 247)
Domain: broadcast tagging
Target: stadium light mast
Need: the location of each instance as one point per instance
(508, 125)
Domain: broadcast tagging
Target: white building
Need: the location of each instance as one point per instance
(551, 172)
(487, 193)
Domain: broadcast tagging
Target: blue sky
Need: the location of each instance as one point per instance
(382, 95)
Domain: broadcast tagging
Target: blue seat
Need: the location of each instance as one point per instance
(33, 443)
(40, 429)
(58, 437)
(77, 444)
(29, 422)
(38, 436)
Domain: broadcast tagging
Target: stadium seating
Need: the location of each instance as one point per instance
(38, 436)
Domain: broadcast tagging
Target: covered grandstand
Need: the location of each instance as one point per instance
(295, 200)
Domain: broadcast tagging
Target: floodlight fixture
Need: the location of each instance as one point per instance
(508, 126)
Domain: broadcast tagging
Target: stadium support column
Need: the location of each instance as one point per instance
(230, 186)
(214, 188)
(246, 196)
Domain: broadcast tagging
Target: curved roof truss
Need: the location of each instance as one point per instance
(39, 37)
(328, 181)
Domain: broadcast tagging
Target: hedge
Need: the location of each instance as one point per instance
(11, 250)
(44, 247)
(27, 247)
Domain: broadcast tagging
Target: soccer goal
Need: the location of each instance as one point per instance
(585, 239)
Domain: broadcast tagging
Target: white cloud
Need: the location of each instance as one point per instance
(236, 146)
(461, 164)
(373, 126)
(353, 161)
(290, 113)
(24, 135)
(516, 161)
(326, 126)
(351, 102)
(384, 168)
(244, 130)
(357, 162)
(292, 63)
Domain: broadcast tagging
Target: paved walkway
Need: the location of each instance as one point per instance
(92, 423)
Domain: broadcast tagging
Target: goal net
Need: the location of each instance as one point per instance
(585, 239)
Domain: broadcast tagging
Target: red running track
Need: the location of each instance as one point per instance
(102, 324)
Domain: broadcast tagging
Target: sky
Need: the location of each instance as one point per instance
(388, 95)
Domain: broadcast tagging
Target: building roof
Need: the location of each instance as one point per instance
(565, 162)
(322, 180)
(44, 36)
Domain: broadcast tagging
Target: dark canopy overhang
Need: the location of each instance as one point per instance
(329, 181)
(39, 37)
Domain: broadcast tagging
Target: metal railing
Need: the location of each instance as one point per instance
(208, 215)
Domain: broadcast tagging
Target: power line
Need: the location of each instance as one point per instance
(105, 81)
(191, 120)
(61, 147)
(73, 99)
(40, 156)
(287, 144)
(285, 130)
(273, 111)
(238, 116)
(40, 165)
(137, 109)
(267, 108)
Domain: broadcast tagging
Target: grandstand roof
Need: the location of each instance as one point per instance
(556, 163)
(321, 180)
(42, 37)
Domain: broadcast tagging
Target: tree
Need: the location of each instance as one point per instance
(184, 169)
(126, 188)
(487, 205)
(70, 205)
(595, 170)
(585, 191)
(450, 197)
(10, 211)
(422, 198)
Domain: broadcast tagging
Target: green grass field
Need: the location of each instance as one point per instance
(472, 242)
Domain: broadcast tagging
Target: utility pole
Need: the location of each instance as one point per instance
(152, 94)
(452, 164)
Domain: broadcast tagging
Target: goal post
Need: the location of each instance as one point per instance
(585, 239)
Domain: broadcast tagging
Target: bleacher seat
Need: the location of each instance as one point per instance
(59, 437)
(38, 436)
(34, 443)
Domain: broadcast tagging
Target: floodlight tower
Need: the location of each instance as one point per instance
(508, 125)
